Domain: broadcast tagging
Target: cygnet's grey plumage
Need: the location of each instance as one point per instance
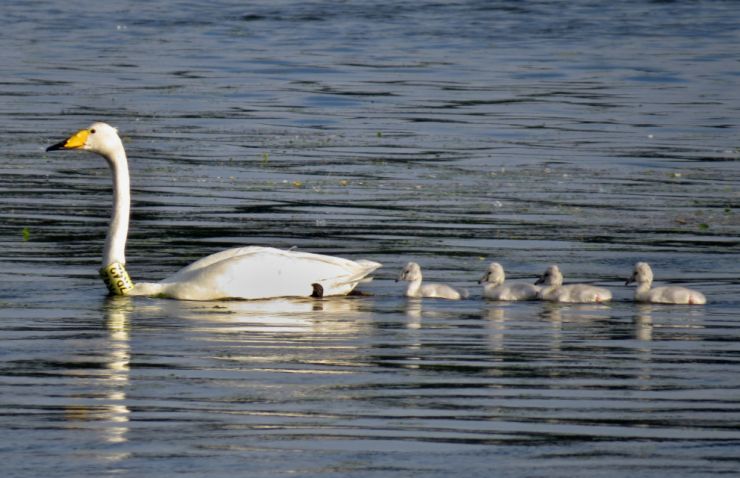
(553, 289)
(643, 276)
(412, 274)
(495, 287)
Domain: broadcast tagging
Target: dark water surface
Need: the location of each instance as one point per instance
(589, 134)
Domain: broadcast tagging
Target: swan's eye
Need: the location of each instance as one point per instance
(92, 131)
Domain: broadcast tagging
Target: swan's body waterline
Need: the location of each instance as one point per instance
(240, 273)
(643, 276)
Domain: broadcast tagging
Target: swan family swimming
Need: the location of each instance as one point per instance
(552, 289)
(254, 272)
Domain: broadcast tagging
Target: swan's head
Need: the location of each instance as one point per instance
(642, 274)
(494, 275)
(410, 272)
(552, 276)
(99, 138)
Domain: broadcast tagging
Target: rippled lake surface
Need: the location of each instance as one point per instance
(588, 134)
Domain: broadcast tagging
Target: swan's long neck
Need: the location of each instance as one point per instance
(413, 289)
(495, 281)
(642, 290)
(115, 241)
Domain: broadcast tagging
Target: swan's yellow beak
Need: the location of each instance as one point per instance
(76, 141)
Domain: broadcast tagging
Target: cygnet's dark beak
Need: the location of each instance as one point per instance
(630, 280)
(539, 281)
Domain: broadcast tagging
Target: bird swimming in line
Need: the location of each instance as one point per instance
(250, 272)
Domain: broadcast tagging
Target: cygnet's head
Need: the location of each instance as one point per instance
(410, 272)
(642, 274)
(552, 276)
(494, 275)
(98, 138)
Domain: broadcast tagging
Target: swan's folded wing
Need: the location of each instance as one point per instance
(587, 293)
(260, 273)
(227, 254)
(675, 295)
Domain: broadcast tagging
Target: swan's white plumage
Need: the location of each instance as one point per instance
(240, 273)
(495, 287)
(643, 275)
(412, 273)
(553, 289)
(260, 273)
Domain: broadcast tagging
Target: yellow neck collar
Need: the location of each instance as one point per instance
(116, 279)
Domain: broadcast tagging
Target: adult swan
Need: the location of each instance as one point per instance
(240, 273)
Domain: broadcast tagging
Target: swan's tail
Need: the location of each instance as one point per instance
(345, 284)
(366, 267)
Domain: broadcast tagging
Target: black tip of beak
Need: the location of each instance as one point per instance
(55, 147)
(539, 281)
(627, 282)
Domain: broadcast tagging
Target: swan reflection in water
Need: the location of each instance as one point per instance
(496, 322)
(513, 321)
(247, 338)
(335, 314)
(106, 402)
(104, 410)
(413, 313)
(118, 367)
(643, 322)
(671, 320)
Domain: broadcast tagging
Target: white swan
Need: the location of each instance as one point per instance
(554, 290)
(494, 287)
(643, 275)
(412, 273)
(240, 273)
